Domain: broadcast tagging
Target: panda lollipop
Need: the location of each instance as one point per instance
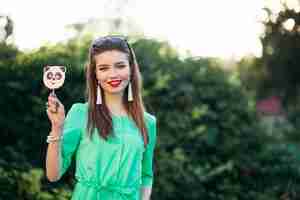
(53, 78)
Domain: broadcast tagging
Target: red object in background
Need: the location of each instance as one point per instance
(270, 106)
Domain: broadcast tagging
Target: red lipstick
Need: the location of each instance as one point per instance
(114, 83)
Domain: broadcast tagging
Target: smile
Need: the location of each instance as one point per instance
(115, 83)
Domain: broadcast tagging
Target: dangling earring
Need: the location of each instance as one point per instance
(99, 96)
(130, 96)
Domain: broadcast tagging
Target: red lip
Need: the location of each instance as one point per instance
(115, 83)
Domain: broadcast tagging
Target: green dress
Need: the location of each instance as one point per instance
(113, 169)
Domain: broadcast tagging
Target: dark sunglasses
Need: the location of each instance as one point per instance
(119, 40)
(97, 43)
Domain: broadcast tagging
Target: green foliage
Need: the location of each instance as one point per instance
(277, 71)
(209, 144)
(18, 184)
(281, 53)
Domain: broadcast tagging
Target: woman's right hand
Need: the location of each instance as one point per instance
(56, 118)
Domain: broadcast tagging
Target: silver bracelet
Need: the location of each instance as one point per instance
(51, 138)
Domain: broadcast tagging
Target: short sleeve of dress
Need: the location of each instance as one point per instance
(71, 137)
(147, 162)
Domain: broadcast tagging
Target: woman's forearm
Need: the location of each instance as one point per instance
(146, 193)
(52, 158)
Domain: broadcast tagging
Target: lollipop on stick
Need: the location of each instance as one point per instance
(53, 78)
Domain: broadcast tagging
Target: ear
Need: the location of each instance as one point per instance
(63, 68)
(46, 68)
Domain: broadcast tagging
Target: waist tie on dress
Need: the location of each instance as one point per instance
(110, 187)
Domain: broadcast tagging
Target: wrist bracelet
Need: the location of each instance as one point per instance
(51, 138)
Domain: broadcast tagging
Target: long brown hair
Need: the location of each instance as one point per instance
(99, 116)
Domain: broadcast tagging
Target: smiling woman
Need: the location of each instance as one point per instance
(112, 134)
(112, 71)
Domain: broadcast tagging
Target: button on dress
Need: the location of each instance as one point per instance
(113, 169)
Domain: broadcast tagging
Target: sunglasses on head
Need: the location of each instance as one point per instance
(118, 40)
(97, 43)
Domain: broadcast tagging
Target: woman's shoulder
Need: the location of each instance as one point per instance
(149, 118)
(78, 107)
(77, 114)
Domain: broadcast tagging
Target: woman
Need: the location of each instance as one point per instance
(111, 134)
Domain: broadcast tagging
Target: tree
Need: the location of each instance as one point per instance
(281, 53)
(208, 146)
(7, 28)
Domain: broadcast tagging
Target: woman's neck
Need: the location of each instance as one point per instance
(114, 102)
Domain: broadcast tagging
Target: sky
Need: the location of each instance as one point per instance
(227, 29)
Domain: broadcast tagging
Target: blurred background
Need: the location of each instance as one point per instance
(222, 77)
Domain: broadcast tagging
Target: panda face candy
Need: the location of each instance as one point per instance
(54, 76)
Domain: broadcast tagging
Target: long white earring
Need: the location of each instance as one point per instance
(130, 96)
(99, 96)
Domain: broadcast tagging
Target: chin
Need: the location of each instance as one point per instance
(117, 91)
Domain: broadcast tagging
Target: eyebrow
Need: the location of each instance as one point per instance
(121, 62)
(106, 65)
(102, 65)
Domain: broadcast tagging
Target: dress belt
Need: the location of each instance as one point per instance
(109, 187)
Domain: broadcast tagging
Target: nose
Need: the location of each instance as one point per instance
(113, 73)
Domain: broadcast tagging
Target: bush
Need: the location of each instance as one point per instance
(209, 144)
